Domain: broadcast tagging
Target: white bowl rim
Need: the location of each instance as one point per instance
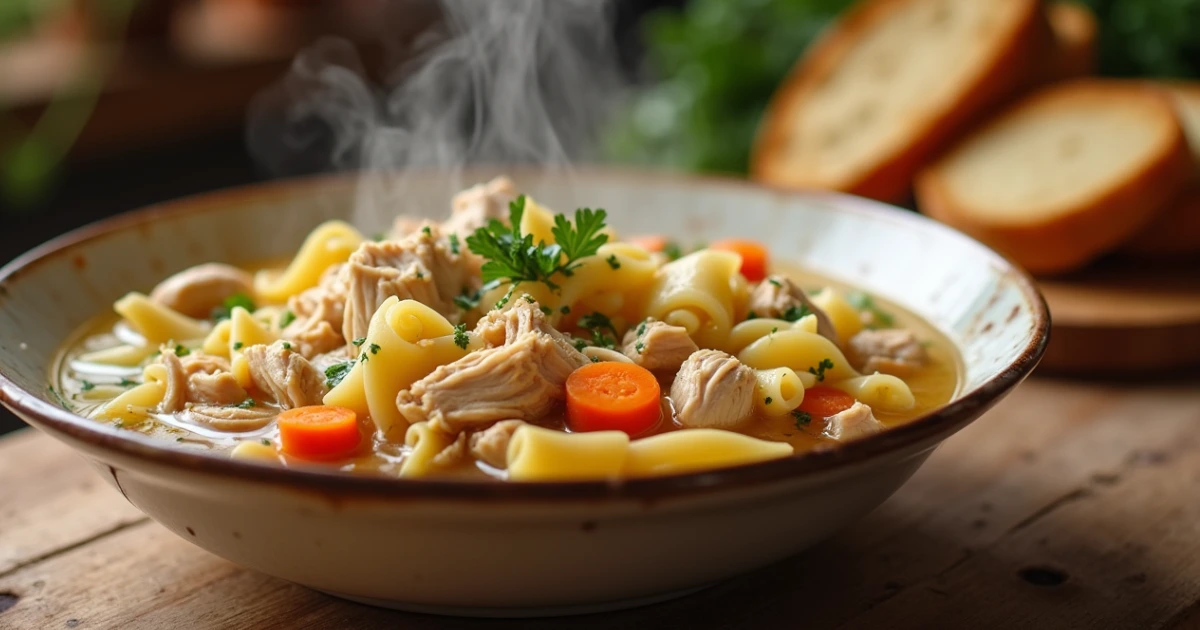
(935, 425)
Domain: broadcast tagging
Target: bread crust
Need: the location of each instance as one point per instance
(1075, 34)
(888, 175)
(1175, 232)
(1115, 212)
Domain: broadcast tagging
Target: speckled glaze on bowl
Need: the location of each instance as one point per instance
(499, 549)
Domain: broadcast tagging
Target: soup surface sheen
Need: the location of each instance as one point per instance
(463, 349)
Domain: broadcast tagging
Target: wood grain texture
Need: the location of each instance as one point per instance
(1069, 505)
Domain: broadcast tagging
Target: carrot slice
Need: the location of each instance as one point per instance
(649, 242)
(754, 256)
(318, 431)
(613, 396)
(822, 401)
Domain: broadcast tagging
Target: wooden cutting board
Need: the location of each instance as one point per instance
(1124, 315)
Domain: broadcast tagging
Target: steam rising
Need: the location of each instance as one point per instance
(497, 82)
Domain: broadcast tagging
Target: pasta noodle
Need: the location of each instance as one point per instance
(879, 391)
(424, 442)
(157, 323)
(752, 330)
(330, 243)
(780, 390)
(132, 406)
(845, 318)
(218, 341)
(688, 450)
(245, 331)
(696, 292)
(123, 355)
(539, 454)
(799, 350)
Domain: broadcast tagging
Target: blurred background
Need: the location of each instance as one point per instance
(109, 105)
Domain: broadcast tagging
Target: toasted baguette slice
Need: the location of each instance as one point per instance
(1065, 175)
(889, 85)
(1176, 230)
(1075, 34)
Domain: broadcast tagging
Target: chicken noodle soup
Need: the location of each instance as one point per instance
(510, 342)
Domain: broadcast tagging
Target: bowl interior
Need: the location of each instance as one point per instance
(987, 308)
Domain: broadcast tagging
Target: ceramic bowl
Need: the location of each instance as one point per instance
(490, 548)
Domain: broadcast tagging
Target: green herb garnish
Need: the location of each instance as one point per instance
(751, 315)
(819, 371)
(863, 302)
(467, 301)
(513, 258)
(802, 418)
(453, 243)
(374, 348)
(336, 372)
(265, 442)
(287, 318)
(775, 282)
(672, 250)
(460, 336)
(287, 345)
(795, 313)
(87, 385)
(60, 400)
(426, 231)
(597, 324)
(126, 382)
(237, 345)
(225, 310)
(613, 262)
(245, 404)
(360, 341)
(379, 236)
(546, 310)
(639, 346)
(768, 400)
(181, 351)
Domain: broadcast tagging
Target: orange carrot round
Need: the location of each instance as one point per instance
(318, 431)
(822, 401)
(613, 396)
(754, 256)
(649, 242)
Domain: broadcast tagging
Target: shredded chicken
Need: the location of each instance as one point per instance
(453, 453)
(501, 326)
(285, 375)
(491, 444)
(713, 390)
(472, 208)
(231, 419)
(778, 297)
(196, 291)
(198, 378)
(317, 328)
(421, 267)
(893, 351)
(852, 424)
(657, 345)
(523, 380)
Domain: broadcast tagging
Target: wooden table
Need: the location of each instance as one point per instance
(1071, 505)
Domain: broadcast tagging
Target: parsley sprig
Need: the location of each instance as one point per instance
(512, 257)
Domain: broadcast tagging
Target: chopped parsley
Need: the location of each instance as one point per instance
(599, 325)
(819, 371)
(245, 404)
(795, 313)
(581, 344)
(426, 231)
(512, 257)
(529, 298)
(460, 336)
(364, 358)
(374, 348)
(775, 282)
(420, 275)
(861, 301)
(225, 310)
(639, 346)
(613, 262)
(287, 345)
(768, 400)
(467, 301)
(774, 329)
(126, 382)
(287, 318)
(566, 310)
(179, 439)
(237, 345)
(379, 236)
(672, 250)
(336, 372)
(181, 351)
(265, 442)
(119, 423)
(453, 243)
(802, 418)
(87, 386)
(595, 359)
(751, 315)
(641, 329)
(546, 310)
(59, 399)
(360, 341)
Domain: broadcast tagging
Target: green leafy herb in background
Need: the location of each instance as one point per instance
(715, 64)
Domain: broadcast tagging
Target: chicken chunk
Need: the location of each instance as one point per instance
(453, 453)
(421, 267)
(472, 208)
(285, 375)
(852, 424)
(778, 297)
(523, 380)
(491, 444)
(196, 291)
(501, 326)
(198, 378)
(894, 351)
(713, 390)
(231, 419)
(657, 345)
(317, 327)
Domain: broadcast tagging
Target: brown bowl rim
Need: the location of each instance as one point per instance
(939, 423)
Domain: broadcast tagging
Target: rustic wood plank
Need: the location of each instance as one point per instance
(1096, 482)
(51, 500)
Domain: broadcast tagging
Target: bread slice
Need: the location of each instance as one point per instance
(1176, 230)
(1065, 175)
(1075, 34)
(889, 85)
